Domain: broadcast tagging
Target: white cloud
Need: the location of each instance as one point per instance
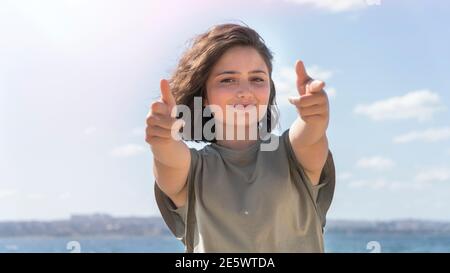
(370, 184)
(420, 105)
(331, 91)
(385, 184)
(333, 5)
(344, 176)
(64, 196)
(35, 196)
(421, 181)
(90, 130)
(128, 150)
(319, 73)
(375, 162)
(433, 175)
(429, 135)
(285, 85)
(7, 193)
(285, 82)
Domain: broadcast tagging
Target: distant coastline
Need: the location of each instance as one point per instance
(106, 225)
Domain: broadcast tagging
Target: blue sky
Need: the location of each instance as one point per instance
(77, 78)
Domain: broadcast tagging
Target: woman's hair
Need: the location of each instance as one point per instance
(195, 65)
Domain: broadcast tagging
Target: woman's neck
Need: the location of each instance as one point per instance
(236, 144)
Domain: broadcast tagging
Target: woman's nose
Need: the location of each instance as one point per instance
(244, 93)
(244, 89)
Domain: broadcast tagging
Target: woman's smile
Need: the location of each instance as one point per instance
(244, 106)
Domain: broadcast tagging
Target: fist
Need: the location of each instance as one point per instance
(162, 126)
(311, 101)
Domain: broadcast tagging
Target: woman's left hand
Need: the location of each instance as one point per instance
(312, 102)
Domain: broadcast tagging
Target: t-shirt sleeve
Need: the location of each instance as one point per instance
(176, 218)
(323, 192)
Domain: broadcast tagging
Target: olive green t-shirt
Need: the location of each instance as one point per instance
(251, 201)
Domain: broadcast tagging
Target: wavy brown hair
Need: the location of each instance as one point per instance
(189, 78)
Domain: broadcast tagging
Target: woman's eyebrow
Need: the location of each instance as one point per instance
(237, 72)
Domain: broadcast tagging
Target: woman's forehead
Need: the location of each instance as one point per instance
(240, 61)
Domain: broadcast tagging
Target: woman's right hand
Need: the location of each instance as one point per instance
(162, 126)
(171, 156)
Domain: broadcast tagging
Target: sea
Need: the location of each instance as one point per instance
(335, 242)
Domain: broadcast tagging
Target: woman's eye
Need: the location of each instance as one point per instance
(258, 80)
(227, 81)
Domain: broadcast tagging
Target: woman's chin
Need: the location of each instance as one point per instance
(247, 124)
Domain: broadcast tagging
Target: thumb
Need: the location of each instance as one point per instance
(302, 77)
(314, 86)
(166, 94)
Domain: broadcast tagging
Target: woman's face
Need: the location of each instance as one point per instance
(239, 81)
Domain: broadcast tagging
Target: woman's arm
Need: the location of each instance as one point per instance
(171, 156)
(308, 132)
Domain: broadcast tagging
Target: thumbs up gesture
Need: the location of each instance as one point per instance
(162, 126)
(312, 101)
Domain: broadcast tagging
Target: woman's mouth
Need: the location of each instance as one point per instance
(244, 107)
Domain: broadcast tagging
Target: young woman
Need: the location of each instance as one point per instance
(233, 196)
